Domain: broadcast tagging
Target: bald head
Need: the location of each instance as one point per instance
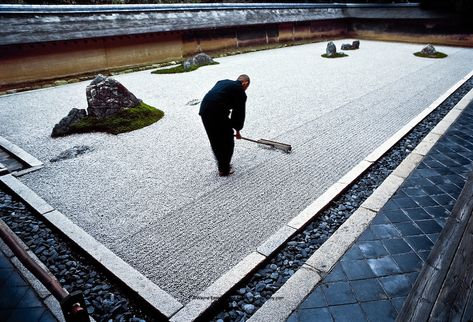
(245, 80)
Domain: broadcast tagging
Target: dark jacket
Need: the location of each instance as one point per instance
(225, 97)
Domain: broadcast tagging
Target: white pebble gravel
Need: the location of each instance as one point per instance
(153, 196)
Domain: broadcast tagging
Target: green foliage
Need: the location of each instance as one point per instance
(124, 121)
(337, 55)
(179, 69)
(436, 55)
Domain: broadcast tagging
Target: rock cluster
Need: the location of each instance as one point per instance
(429, 50)
(201, 59)
(355, 45)
(105, 97)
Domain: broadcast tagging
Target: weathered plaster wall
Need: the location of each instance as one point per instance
(35, 47)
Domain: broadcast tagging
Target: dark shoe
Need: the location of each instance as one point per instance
(226, 173)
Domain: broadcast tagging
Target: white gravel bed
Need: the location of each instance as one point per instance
(153, 196)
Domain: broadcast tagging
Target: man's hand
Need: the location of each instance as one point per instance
(238, 135)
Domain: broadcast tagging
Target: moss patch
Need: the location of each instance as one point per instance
(179, 69)
(125, 121)
(337, 55)
(436, 55)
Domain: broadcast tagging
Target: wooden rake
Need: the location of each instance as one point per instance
(273, 144)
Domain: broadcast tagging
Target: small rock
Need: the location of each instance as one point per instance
(260, 287)
(249, 297)
(193, 102)
(249, 308)
(242, 291)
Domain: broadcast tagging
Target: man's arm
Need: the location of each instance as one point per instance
(238, 112)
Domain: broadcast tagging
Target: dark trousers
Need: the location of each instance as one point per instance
(220, 133)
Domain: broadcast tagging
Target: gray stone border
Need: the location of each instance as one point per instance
(278, 308)
(31, 162)
(137, 282)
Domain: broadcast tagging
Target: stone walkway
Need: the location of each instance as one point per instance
(19, 302)
(373, 278)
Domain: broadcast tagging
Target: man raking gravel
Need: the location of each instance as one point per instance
(222, 111)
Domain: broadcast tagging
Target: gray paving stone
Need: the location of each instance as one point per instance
(379, 311)
(318, 314)
(367, 235)
(372, 249)
(293, 317)
(396, 246)
(336, 274)
(383, 266)
(429, 226)
(406, 203)
(385, 231)
(396, 285)
(337, 293)
(396, 216)
(408, 262)
(347, 313)
(368, 290)
(352, 254)
(436, 212)
(397, 303)
(408, 229)
(357, 269)
(380, 219)
(419, 243)
(416, 213)
(315, 299)
(425, 201)
(433, 237)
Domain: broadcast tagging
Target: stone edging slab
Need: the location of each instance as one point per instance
(278, 308)
(30, 161)
(197, 307)
(137, 282)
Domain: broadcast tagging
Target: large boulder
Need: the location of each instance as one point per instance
(429, 50)
(106, 96)
(201, 59)
(331, 49)
(62, 128)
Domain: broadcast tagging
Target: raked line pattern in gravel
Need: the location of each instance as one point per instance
(153, 197)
